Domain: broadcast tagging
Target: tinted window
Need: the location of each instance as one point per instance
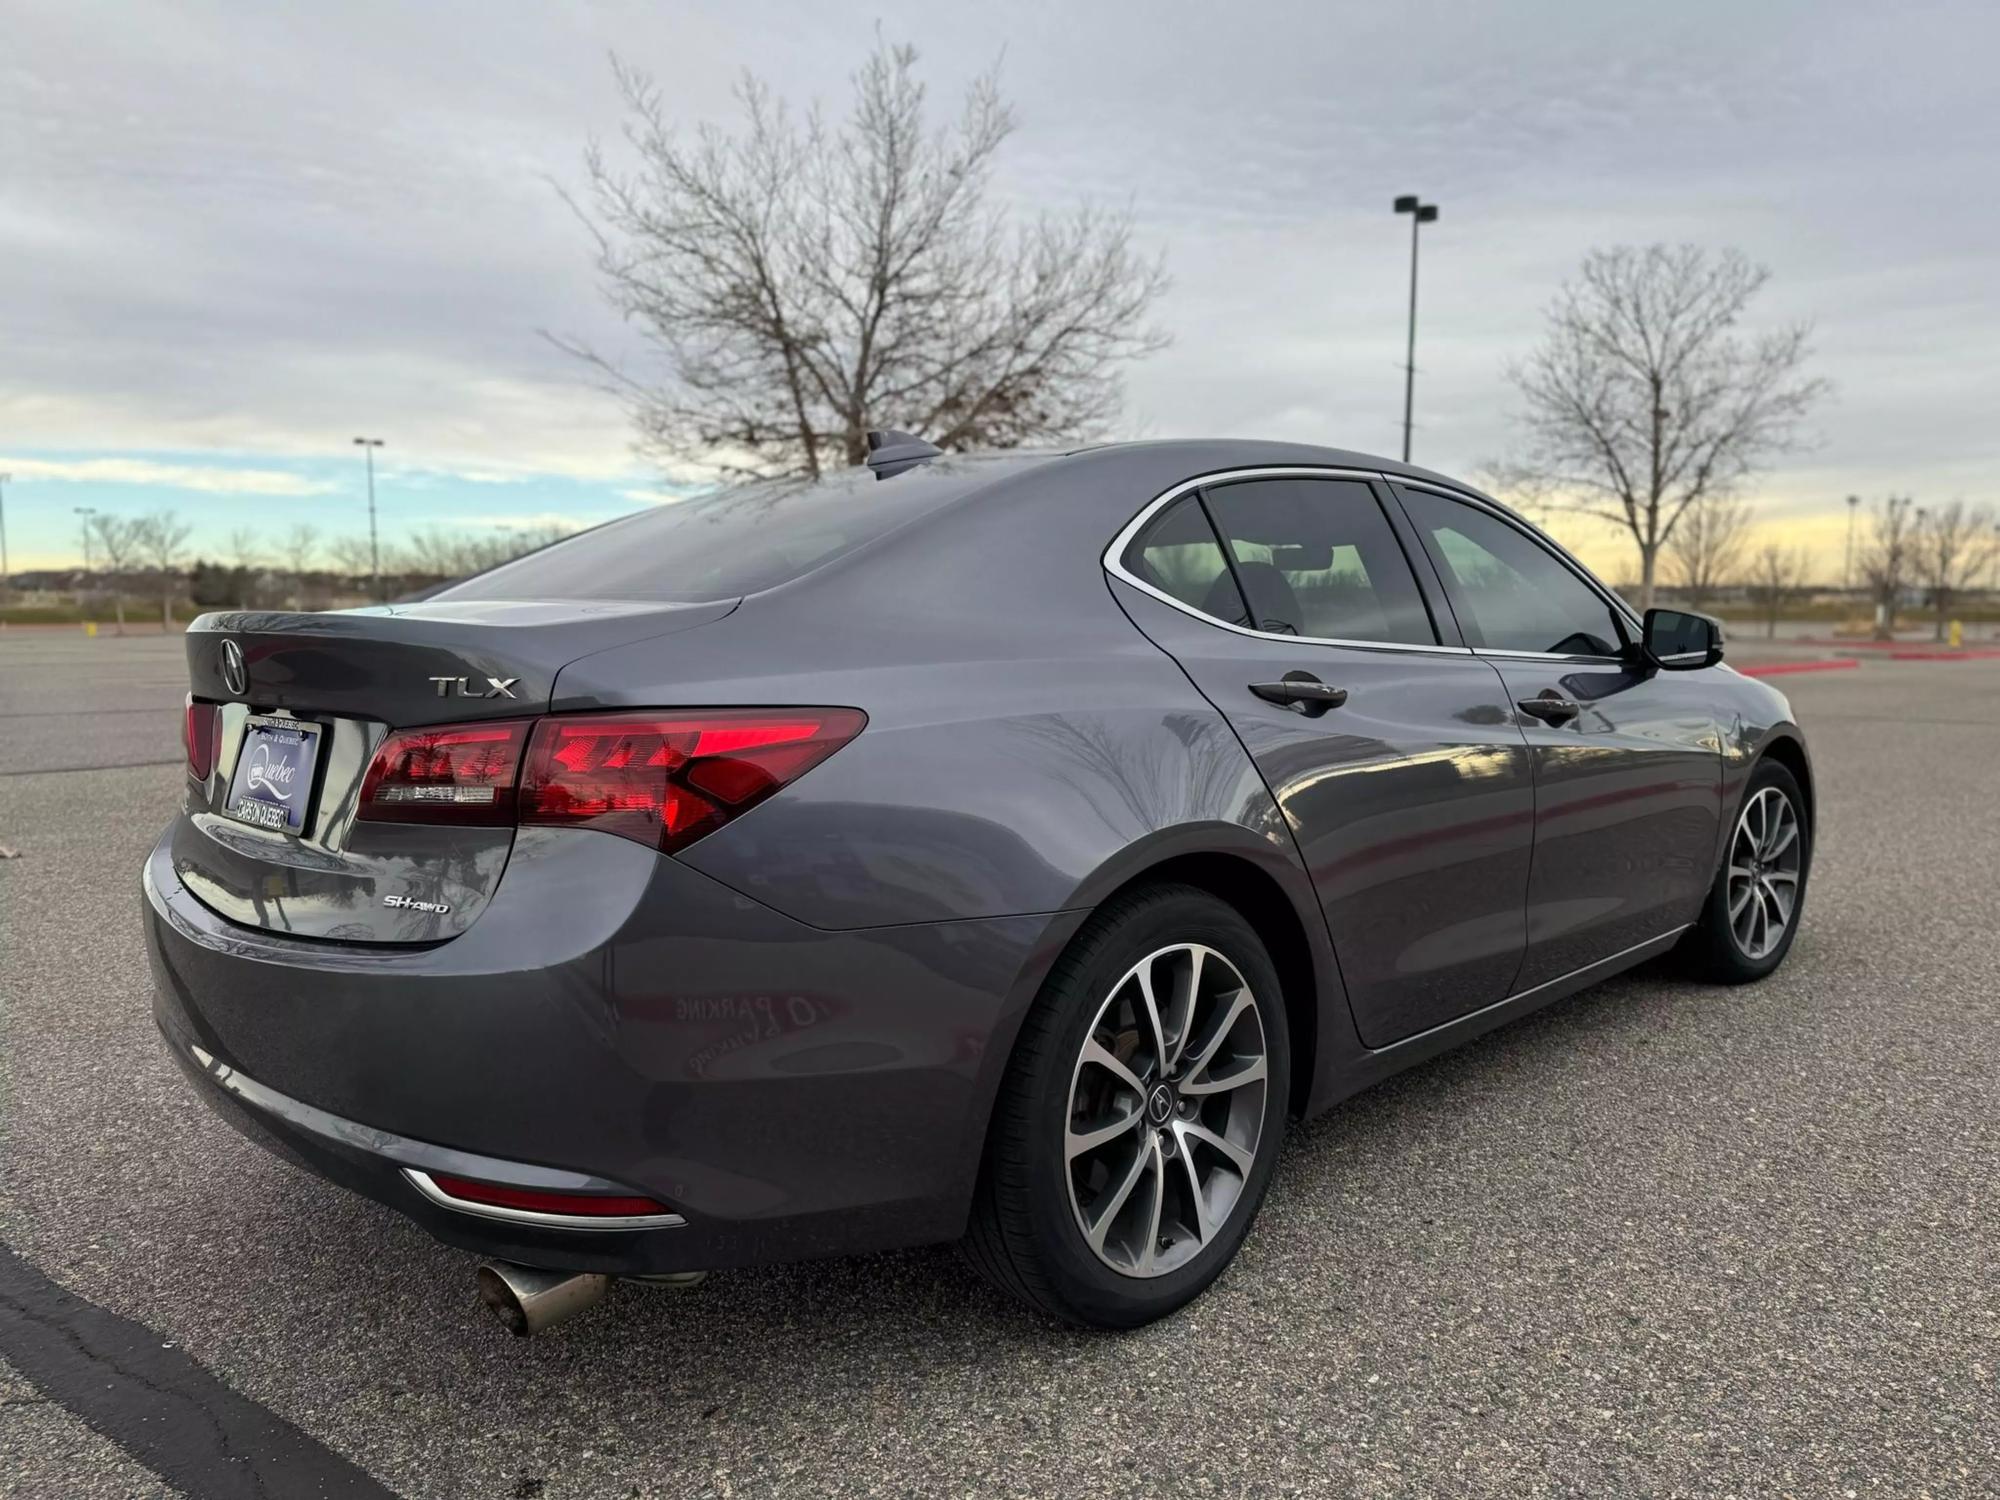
(1178, 554)
(1510, 592)
(731, 542)
(1317, 557)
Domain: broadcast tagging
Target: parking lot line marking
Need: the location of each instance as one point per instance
(124, 1382)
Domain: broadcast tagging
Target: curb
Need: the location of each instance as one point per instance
(1860, 643)
(1783, 668)
(1945, 653)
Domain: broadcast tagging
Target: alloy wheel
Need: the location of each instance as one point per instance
(1764, 868)
(1166, 1110)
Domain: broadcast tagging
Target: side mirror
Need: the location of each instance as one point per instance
(1678, 640)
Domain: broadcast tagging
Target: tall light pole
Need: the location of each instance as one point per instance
(1420, 213)
(1847, 576)
(368, 447)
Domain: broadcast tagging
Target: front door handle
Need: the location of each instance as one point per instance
(1550, 709)
(1301, 691)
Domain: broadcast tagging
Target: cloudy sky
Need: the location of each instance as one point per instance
(233, 236)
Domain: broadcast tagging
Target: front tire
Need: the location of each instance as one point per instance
(1136, 1130)
(1751, 917)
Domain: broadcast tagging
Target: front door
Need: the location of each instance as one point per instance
(1394, 755)
(1627, 759)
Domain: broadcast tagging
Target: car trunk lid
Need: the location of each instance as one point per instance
(345, 681)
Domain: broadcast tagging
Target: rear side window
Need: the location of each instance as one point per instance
(1178, 554)
(1318, 558)
(725, 544)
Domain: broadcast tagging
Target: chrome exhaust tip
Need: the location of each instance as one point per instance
(528, 1300)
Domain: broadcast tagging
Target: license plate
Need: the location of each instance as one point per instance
(274, 774)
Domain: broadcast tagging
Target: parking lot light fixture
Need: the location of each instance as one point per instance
(368, 445)
(1420, 213)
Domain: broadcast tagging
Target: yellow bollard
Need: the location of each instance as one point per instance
(1957, 634)
(90, 627)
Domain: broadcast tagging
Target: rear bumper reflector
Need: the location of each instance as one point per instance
(551, 1210)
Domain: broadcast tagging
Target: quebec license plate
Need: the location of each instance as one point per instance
(274, 774)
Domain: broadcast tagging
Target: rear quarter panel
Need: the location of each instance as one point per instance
(1022, 735)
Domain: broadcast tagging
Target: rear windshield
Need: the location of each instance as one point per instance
(728, 543)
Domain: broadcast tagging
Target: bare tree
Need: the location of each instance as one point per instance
(1776, 574)
(1887, 559)
(162, 538)
(300, 547)
(1644, 398)
(802, 282)
(1951, 546)
(118, 539)
(435, 553)
(353, 556)
(1702, 552)
(246, 555)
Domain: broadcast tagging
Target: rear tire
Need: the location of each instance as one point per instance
(1127, 1158)
(1751, 916)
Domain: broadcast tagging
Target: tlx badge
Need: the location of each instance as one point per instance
(497, 687)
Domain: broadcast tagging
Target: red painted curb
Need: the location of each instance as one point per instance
(1780, 668)
(1851, 643)
(1943, 653)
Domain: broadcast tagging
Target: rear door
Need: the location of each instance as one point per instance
(1628, 759)
(1289, 599)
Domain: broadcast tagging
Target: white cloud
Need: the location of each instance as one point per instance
(178, 283)
(209, 479)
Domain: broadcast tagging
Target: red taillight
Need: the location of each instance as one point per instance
(666, 779)
(199, 729)
(575, 1205)
(462, 773)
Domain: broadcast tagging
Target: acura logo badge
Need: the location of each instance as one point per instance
(235, 676)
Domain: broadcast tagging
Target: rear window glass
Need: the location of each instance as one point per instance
(730, 542)
(1178, 554)
(1318, 558)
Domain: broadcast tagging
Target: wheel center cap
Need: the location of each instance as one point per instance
(1160, 1104)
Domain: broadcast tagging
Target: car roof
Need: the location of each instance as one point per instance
(1207, 454)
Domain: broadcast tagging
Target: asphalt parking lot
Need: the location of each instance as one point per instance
(1660, 1239)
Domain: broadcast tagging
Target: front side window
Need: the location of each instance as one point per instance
(1510, 593)
(1317, 557)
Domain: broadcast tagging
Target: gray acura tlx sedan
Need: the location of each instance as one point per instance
(988, 847)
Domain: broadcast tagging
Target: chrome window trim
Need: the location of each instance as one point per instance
(422, 1182)
(1549, 545)
(1114, 559)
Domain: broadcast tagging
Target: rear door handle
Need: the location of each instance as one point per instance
(1301, 691)
(1550, 710)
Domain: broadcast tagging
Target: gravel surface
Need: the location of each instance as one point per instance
(1660, 1239)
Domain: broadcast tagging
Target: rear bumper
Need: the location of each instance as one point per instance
(616, 1019)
